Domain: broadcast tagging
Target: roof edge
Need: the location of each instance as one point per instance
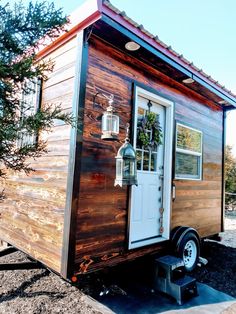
(85, 15)
(120, 17)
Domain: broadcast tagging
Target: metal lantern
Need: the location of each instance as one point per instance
(126, 169)
(110, 122)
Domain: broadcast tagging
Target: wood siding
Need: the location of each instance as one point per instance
(32, 216)
(102, 215)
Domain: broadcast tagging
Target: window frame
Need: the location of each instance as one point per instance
(189, 152)
(37, 97)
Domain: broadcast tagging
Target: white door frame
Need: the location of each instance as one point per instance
(168, 147)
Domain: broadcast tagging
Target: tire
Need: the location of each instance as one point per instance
(189, 250)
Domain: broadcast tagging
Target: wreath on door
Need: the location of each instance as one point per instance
(150, 125)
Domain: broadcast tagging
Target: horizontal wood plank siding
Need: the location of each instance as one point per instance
(102, 215)
(32, 216)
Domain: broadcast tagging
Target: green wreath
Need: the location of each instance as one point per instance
(150, 123)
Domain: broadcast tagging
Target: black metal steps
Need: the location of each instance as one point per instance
(171, 279)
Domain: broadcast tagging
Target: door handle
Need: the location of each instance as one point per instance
(173, 192)
(161, 176)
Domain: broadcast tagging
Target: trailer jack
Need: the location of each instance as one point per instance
(31, 264)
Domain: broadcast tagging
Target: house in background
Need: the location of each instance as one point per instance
(68, 214)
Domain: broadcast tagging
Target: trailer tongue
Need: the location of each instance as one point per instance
(31, 264)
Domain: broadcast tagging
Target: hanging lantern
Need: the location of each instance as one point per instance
(126, 170)
(110, 122)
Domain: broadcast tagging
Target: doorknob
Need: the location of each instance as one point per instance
(161, 176)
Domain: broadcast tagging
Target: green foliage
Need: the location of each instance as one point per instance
(23, 30)
(189, 139)
(149, 131)
(230, 177)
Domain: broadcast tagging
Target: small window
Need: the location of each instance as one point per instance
(188, 161)
(30, 104)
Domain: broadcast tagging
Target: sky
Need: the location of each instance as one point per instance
(203, 31)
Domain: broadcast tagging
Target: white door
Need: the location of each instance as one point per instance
(147, 199)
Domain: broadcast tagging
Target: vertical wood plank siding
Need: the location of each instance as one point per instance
(101, 234)
(32, 215)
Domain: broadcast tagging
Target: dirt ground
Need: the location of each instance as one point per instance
(41, 291)
(220, 271)
(229, 237)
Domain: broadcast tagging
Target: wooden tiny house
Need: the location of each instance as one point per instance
(68, 214)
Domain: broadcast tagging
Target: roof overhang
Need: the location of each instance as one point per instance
(86, 14)
(116, 28)
(163, 57)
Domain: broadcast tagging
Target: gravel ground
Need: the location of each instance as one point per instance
(41, 291)
(220, 271)
(229, 237)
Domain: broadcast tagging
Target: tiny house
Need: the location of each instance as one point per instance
(68, 214)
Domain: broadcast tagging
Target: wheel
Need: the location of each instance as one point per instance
(189, 250)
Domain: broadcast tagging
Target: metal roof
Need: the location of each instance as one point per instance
(93, 11)
(175, 54)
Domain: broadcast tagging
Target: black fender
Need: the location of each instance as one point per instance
(177, 235)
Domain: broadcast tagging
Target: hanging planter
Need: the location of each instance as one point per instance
(149, 131)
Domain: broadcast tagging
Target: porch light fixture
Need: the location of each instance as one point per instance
(132, 46)
(126, 168)
(222, 102)
(188, 80)
(110, 121)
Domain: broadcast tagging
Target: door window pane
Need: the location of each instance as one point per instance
(141, 114)
(139, 159)
(146, 161)
(154, 162)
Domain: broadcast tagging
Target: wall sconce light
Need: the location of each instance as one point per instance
(110, 121)
(126, 167)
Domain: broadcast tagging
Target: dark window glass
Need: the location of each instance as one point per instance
(187, 166)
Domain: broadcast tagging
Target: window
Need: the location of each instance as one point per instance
(30, 103)
(146, 158)
(188, 161)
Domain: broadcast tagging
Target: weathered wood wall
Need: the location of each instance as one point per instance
(31, 218)
(102, 216)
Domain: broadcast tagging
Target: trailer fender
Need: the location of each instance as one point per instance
(186, 244)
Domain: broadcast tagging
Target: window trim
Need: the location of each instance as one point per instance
(189, 152)
(33, 139)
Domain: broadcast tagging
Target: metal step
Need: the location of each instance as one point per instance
(171, 279)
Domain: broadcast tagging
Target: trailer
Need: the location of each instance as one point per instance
(67, 214)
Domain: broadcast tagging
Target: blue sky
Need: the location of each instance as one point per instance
(203, 31)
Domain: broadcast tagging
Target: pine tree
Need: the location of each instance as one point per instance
(23, 30)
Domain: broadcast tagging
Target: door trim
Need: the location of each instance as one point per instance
(168, 147)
